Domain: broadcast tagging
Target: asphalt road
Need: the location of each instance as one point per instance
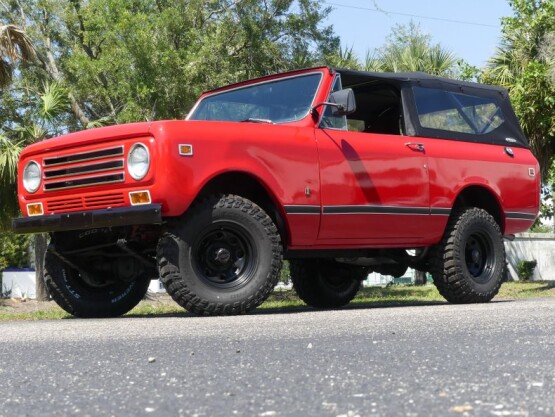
(495, 359)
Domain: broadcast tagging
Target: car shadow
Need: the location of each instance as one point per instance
(365, 305)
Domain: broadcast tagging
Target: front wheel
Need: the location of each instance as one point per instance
(469, 263)
(93, 294)
(326, 284)
(223, 257)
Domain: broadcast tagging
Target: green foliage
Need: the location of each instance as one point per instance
(538, 227)
(520, 64)
(406, 49)
(525, 269)
(285, 274)
(409, 49)
(38, 118)
(132, 60)
(14, 250)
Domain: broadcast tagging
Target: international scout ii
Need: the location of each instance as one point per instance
(341, 172)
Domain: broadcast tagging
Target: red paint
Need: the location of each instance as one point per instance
(300, 164)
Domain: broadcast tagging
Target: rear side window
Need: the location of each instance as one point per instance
(457, 112)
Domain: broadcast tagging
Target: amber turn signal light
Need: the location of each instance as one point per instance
(185, 149)
(35, 209)
(139, 197)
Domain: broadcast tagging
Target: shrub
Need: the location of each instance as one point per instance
(285, 275)
(14, 250)
(525, 269)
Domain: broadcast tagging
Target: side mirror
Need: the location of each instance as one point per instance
(342, 103)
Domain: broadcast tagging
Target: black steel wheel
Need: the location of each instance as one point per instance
(326, 283)
(468, 266)
(223, 257)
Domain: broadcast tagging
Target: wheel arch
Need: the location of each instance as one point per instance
(484, 198)
(251, 187)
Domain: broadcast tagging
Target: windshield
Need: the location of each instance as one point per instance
(279, 101)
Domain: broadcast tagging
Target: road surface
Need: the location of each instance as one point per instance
(495, 359)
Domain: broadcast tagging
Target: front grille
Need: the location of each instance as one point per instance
(105, 200)
(83, 156)
(84, 169)
(90, 202)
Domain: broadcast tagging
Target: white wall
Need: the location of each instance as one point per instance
(21, 283)
(533, 246)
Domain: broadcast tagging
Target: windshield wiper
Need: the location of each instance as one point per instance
(255, 120)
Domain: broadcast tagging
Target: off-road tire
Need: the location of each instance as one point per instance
(326, 284)
(468, 266)
(70, 292)
(222, 258)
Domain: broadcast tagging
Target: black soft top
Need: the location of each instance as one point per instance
(351, 77)
(509, 133)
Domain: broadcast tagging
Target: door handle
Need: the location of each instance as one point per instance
(418, 147)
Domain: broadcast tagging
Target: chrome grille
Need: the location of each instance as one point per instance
(83, 156)
(84, 169)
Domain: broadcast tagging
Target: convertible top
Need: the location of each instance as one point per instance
(508, 133)
(352, 78)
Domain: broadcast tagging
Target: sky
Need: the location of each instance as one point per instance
(471, 29)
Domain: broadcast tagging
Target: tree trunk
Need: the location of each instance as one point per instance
(40, 250)
(420, 278)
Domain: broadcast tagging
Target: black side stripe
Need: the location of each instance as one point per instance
(520, 216)
(360, 209)
(302, 209)
(375, 210)
(440, 211)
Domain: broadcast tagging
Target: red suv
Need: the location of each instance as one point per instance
(341, 172)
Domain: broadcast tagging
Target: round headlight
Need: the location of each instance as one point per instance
(138, 161)
(31, 177)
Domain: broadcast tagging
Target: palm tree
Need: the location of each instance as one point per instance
(9, 155)
(519, 66)
(409, 50)
(15, 46)
(53, 102)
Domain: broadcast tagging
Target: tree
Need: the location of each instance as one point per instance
(407, 49)
(520, 65)
(41, 123)
(132, 60)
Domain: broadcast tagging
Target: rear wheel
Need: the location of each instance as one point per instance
(90, 293)
(469, 264)
(326, 284)
(223, 257)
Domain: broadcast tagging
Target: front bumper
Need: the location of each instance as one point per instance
(121, 216)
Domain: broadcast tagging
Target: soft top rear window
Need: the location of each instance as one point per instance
(457, 112)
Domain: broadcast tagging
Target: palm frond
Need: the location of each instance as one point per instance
(373, 63)
(9, 156)
(15, 44)
(103, 121)
(54, 101)
(5, 72)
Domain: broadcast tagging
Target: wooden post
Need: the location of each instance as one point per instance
(40, 249)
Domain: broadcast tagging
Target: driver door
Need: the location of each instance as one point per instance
(374, 186)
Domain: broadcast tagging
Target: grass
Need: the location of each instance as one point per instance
(282, 301)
